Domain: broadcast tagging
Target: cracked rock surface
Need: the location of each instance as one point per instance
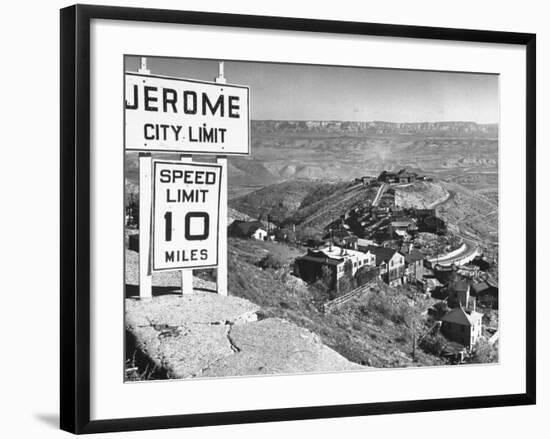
(208, 335)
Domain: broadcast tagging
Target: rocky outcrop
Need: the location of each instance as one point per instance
(208, 335)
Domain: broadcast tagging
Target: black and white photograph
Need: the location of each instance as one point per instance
(324, 218)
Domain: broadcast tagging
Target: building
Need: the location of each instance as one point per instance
(248, 229)
(403, 176)
(459, 293)
(367, 180)
(423, 213)
(486, 293)
(363, 245)
(402, 226)
(432, 224)
(462, 326)
(388, 177)
(414, 265)
(391, 264)
(310, 266)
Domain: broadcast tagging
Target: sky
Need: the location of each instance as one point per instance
(280, 91)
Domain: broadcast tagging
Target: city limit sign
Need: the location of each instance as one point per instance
(183, 115)
(186, 201)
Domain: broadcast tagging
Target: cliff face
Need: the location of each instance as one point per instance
(207, 335)
(444, 129)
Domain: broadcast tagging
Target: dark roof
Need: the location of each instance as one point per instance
(320, 259)
(424, 211)
(461, 317)
(381, 253)
(480, 287)
(247, 228)
(413, 256)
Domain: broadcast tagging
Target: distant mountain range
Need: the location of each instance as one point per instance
(340, 151)
(443, 129)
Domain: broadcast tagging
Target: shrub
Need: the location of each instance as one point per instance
(441, 308)
(433, 344)
(270, 261)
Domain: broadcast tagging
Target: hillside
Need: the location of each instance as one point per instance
(373, 330)
(282, 200)
(245, 174)
(475, 213)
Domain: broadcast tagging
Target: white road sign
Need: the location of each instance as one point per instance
(186, 202)
(183, 115)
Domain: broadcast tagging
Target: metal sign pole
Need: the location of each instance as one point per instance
(222, 237)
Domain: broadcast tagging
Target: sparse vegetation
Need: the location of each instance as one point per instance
(484, 352)
(270, 261)
(433, 343)
(371, 330)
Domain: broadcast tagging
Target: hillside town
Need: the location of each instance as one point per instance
(378, 243)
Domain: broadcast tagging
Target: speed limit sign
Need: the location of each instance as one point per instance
(186, 202)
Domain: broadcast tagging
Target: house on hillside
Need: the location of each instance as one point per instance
(310, 267)
(248, 229)
(388, 177)
(391, 264)
(402, 226)
(462, 326)
(366, 180)
(486, 293)
(414, 265)
(403, 176)
(459, 293)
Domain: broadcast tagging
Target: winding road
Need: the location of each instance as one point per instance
(469, 249)
(379, 194)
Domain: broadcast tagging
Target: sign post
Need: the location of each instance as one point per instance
(186, 274)
(145, 188)
(183, 204)
(221, 275)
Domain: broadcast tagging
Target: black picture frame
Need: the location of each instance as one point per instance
(75, 216)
